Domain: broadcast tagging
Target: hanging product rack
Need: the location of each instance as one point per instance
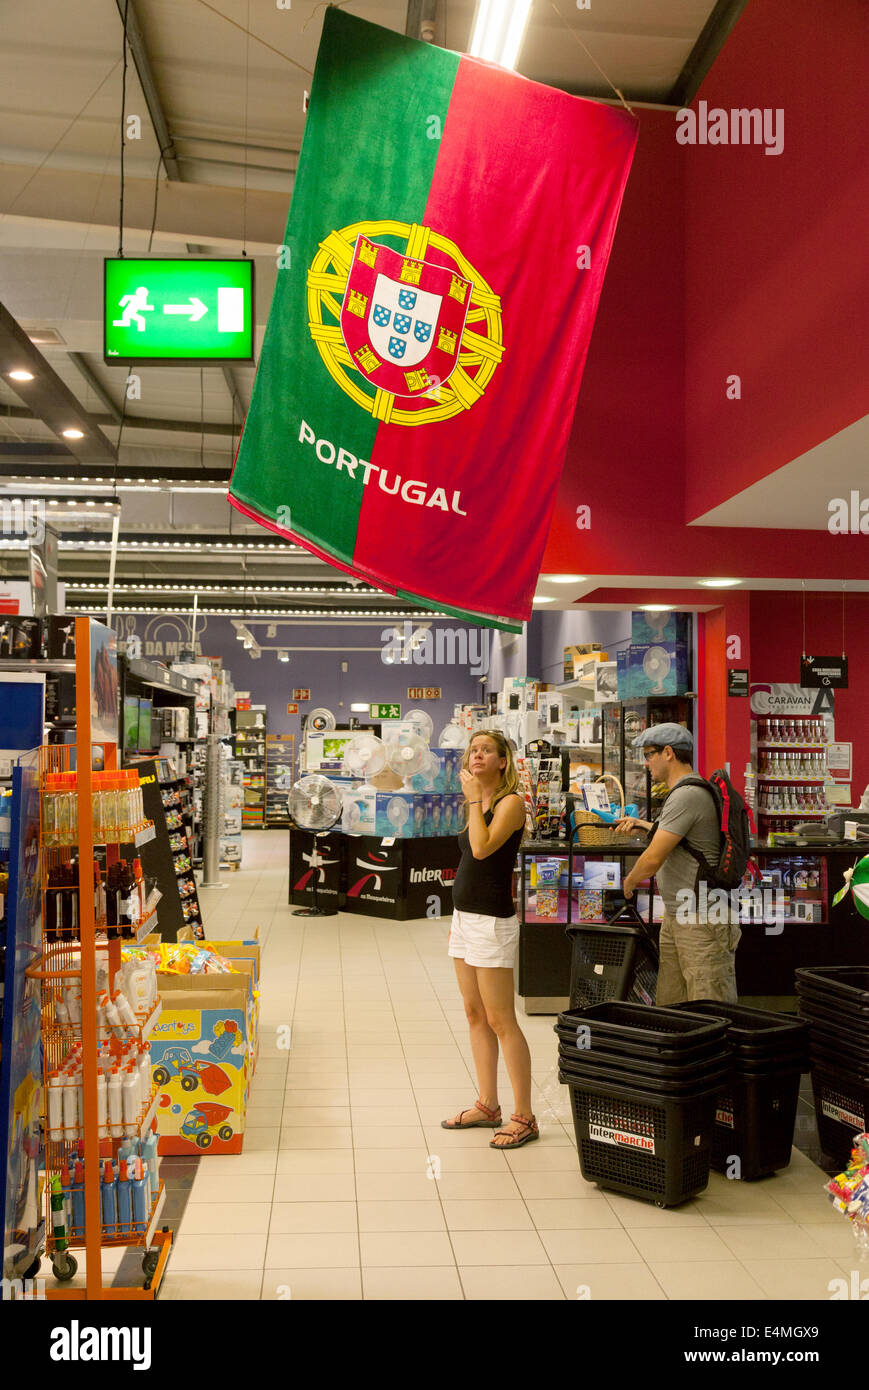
(69, 954)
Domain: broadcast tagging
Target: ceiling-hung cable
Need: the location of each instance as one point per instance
(123, 133)
(571, 30)
(803, 587)
(844, 583)
(246, 90)
(202, 417)
(160, 160)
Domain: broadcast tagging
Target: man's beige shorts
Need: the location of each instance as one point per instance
(698, 961)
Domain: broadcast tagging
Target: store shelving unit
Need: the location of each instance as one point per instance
(791, 765)
(176, 794)
(72, 955)
(250, 748)
(280, 763)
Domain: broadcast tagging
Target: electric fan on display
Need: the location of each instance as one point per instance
(316, 805)
(656, 665)
(322, 721)
(452, 736)
(407, 755)
(420, 723)
(365, 756)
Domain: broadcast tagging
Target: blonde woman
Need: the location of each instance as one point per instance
(484, 936)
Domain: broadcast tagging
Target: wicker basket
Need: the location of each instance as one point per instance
(589, 828)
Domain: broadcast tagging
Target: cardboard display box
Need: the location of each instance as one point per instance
(574, 654)
(203, 1054)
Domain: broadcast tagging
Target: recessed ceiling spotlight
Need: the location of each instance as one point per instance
(657, 607)
(543, 598)
(563, 578)
(21, 375)
(73, 434)
(718, 583)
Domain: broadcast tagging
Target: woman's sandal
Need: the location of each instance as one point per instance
(517, 1140)
(492, 1121)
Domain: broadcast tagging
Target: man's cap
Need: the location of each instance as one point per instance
(664, 735)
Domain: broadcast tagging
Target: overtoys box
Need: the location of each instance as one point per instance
(203, 1053)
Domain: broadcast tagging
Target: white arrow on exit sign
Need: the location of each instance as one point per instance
(195, 308)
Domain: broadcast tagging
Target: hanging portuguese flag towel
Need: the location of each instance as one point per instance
(447, 242)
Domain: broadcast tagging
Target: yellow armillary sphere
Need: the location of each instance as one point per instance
(480, 349)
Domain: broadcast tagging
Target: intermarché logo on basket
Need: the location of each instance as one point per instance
(758, 906)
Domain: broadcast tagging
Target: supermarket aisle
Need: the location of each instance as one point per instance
(348, 1188)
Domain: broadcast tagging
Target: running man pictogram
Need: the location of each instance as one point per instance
(134, 305)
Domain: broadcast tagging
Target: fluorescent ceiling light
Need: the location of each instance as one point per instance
(360, 709)
(657, 607)
(563, 578)
(21, 375)
(499, 30)
(718, 583)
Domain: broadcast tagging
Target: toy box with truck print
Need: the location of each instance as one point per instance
(203, 1053)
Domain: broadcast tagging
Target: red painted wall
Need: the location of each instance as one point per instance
(774, 278)
(777, 645)
(776, 271)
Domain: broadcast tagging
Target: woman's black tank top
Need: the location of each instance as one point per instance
(485, 885)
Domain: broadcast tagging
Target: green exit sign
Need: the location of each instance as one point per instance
(166, 310)
(384, 711)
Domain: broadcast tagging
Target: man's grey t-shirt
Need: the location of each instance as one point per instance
(689, 812)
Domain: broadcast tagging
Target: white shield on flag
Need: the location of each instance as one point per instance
(402, 321)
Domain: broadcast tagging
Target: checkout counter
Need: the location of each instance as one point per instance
(793, 922)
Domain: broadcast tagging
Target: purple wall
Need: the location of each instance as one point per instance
(271, 681)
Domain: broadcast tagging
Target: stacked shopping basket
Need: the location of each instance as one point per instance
(757, 1109)
(834, 1001)
(644, 1086)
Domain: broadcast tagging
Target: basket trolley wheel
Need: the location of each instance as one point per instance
(67, 1270)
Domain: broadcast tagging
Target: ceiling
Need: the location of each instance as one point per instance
(220, 88)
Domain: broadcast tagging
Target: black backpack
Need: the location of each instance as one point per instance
(736, 826)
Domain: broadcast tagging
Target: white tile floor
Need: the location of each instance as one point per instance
(348, 1188)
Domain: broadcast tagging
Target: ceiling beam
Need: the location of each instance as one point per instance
(205, 213)
(713, 36)
(135, 422)
(47, 395)
(149, 88)
(236, 397)
(85, 370)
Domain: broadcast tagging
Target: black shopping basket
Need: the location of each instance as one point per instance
(613, 961)
(629, 1140)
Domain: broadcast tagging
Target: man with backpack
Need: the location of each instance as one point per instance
(691, 841)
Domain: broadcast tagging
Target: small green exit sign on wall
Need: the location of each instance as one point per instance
(178, 310)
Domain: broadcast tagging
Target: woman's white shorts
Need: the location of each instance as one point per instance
(489, 942)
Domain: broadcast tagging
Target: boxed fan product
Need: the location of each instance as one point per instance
(659, 669)
(360, 811)
(647, 629)
(395, 814)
